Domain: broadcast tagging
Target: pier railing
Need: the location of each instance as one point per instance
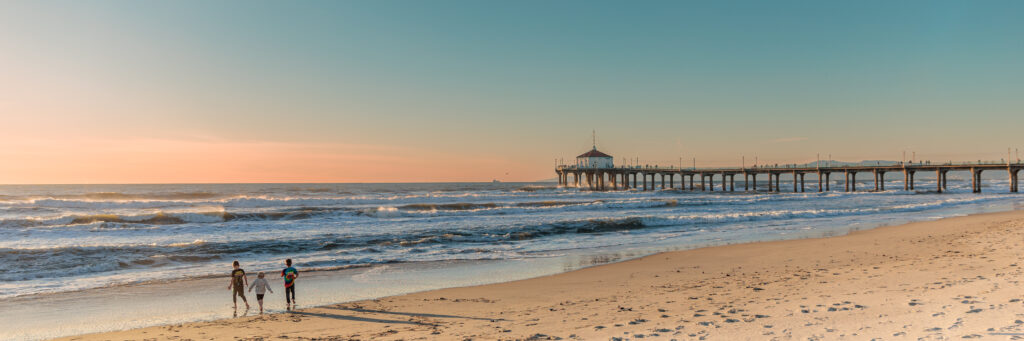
(613, 178)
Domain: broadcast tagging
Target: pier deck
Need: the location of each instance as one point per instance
(618, 178)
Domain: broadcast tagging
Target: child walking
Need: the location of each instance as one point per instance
(289, 274)
(262, 287)
(238, 283)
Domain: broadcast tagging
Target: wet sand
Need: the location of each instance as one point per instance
(950, 278)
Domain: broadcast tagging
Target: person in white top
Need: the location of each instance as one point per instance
(262, 287)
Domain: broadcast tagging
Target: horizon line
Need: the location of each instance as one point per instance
(273, 183)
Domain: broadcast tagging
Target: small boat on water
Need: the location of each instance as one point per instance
(495, 181)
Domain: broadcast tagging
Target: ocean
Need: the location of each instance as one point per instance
(58, 239)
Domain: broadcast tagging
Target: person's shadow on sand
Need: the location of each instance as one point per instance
(357, 318)
(360, 310)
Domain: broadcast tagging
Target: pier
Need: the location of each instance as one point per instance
(598, 178)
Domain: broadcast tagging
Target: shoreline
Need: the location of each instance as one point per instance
(625, 289)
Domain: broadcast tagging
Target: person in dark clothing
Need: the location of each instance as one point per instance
(238, 283)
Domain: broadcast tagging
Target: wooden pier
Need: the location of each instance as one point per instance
(703, 179)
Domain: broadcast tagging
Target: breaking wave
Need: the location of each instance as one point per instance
(171, 218)
(74, 260)
(111, 233)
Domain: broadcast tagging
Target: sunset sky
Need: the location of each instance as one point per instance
(410, 91)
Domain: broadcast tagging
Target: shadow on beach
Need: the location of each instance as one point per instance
(356, 318)
(360, 310)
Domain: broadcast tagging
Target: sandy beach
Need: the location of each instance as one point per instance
(951, 278)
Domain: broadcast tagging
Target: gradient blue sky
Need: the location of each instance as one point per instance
(370, 91)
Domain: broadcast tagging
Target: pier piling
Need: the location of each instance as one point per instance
(616, 178)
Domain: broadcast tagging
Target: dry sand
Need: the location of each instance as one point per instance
(951, 278)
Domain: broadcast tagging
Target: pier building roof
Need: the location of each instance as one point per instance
(594, 153)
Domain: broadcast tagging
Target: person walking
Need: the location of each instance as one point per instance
(238, 283)
(289, 274)
(261, 286)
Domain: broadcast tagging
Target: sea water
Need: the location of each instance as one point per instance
(56, 239)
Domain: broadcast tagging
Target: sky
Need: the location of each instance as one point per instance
(423, 91)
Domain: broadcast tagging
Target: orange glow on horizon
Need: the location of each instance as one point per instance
(94, 160)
